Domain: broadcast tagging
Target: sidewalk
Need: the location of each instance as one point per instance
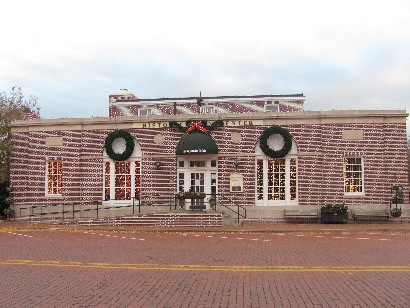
(253, 227)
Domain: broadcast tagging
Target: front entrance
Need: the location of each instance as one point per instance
(197, 180)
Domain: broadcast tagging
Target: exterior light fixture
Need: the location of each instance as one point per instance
(157, 163)
(236, 164)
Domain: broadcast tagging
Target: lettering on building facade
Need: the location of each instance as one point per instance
(226, 123)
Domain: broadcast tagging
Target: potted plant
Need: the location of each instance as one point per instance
(179, 195)
(396, 198)
(395, 212)
(212, 202)
(338, 213)
(9, 213)
(188, 195)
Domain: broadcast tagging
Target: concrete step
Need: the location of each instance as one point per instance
(174, 220)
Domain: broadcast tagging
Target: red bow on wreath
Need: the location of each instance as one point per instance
(198, 126)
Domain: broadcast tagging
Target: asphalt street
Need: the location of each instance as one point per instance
(132, 268)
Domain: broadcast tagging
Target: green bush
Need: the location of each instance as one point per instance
(4, 193)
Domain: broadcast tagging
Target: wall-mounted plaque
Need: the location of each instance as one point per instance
(236, 182)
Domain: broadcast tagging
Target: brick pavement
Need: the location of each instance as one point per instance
(130, 268)
(246, 227)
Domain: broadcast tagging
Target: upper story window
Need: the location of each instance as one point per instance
(272, 107)
(144, 111)
(207, 109)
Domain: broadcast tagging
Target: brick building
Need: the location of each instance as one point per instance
(212, 146)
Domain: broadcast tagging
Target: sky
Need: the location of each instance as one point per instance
(350, 54)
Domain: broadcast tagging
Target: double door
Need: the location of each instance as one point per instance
(197, 179)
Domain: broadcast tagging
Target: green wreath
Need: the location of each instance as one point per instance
(129, 145)
(275, 130)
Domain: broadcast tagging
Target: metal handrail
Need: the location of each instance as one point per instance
(239, 215)
(69, 208)
(73, 210)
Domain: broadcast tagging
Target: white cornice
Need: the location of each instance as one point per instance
(279, 118)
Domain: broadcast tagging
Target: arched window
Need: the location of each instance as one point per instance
(276, 178)
(122, 179)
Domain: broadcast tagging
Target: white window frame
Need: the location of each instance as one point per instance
(208, 169)
(111, 200)
(60, 183)
(287, 201)
(267, 106)
(144, 112)
(354, 193)
(207, 109)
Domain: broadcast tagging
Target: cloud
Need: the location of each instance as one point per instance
(341, 54)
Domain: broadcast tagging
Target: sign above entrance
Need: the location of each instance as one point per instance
(229, 123)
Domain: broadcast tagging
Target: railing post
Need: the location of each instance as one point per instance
(133, 205)
(63, 212)
(139, 205)
(73, 211)
(41, 213)
(97, 209)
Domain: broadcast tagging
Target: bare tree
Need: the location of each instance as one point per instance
(13, 106)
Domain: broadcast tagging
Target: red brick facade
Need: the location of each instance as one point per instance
(323, 139)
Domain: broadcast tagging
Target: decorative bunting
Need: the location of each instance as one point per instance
(201, 125)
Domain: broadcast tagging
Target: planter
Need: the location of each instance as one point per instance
(197, 207)
(397, 200)
(194, 196)
(9, 214)
(334, 218)
(395, 213)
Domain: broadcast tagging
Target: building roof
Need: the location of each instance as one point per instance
(227, 98)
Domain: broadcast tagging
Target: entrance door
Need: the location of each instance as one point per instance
(199, 177)
(198, 189)
(198, 182)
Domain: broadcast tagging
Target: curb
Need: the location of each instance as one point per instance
(276, 228)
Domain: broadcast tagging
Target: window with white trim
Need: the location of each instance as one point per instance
(272, 108)
(276, 181)
(122, 180)
(144, 111)
(276, 178)
(54, 178)
(207, 109)
(353, 175)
